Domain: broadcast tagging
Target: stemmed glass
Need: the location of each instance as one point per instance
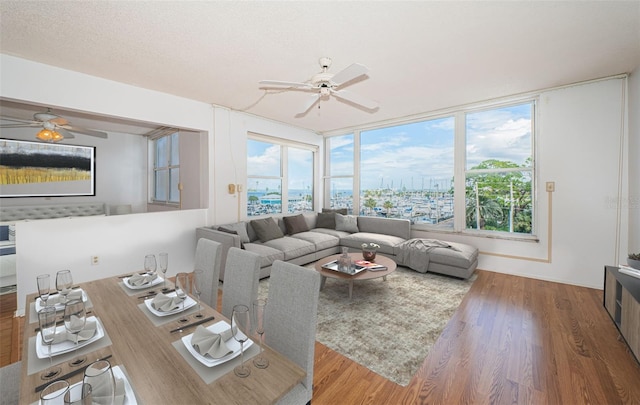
(79, 394)
(182, 285)
(150, 264)
(47, 323)
(240, 326)
(259, 307)
(198, 285)
(44, 288)
(75, 318)
(99, 375)
(163, 258)
(54, 392)
(64, 281)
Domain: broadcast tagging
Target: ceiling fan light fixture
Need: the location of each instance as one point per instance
(48, 135)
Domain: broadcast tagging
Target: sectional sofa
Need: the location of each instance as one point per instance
(310, 236)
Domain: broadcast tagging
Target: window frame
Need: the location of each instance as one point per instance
(155, 169)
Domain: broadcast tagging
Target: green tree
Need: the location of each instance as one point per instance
(387, 206)
(370, 203)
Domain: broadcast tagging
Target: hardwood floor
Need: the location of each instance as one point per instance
(512, 340)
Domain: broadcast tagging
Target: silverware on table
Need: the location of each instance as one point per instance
(189, 325)
(70, 374)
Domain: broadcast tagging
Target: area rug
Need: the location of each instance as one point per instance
(388, 326)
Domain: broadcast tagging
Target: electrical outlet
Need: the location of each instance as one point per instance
(95, 260)
(551, 186)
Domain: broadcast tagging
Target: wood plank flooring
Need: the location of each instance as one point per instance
(512, 340)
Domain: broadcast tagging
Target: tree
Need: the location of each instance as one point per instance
(387, 206)
(370, 203)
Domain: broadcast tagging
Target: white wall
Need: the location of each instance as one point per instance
(578, 147)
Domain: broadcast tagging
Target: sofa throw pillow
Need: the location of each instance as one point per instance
(266, 229)
(231, 231)
(295, 224)
(240, 228)
(347, 223)
(326, 220)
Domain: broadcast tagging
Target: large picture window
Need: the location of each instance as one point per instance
(280, 174)
(340, 167)
(166, 169)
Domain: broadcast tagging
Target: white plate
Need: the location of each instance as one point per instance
(67, 346)
(231, 344)
(129, 396)
(157, 281)
(59, 306)
(188, 303)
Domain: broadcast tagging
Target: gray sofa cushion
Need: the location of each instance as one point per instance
(326, 220)
(266, 229)
(267, 253)
(460, 256)
(295, 224)
(240, 228)
(387, 242)
(388, 226)
(332, 232)
(291, 247)
(347, 223)
(320, 240)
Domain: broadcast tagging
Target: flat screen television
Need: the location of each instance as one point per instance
(37, 169)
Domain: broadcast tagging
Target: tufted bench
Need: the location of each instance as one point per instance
(22, 212)
(433, 255)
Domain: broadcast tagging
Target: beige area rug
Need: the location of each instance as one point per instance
(388, 326)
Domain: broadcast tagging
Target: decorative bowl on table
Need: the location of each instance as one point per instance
(369, 254)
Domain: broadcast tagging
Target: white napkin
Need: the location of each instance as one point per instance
(164, 303)
(85, 334)
(100, 392)
(59, 298)
(211, 343)
(142, 279)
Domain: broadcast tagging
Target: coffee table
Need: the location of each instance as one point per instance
(363, 275)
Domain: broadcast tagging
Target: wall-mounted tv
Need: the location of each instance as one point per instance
(36, 169)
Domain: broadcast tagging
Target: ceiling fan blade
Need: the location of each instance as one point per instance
(65, 133)
(349, 73)
(313, 99)
(59, 121)
(278, 83)
(20, 120)
(24, 125)
(85, 131)
(355, 98)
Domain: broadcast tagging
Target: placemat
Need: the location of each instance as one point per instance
(35, 364)
(210, 374)
(161, 320)
(33, 315)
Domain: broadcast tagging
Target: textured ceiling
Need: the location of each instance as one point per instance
(423, 55)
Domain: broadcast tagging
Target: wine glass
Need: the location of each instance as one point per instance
(163, 259)
(64, 281)
(75, 318)
(259, 307)
(198, 285)
(79, 394)
(44, 288)
(54, 392)
(150, 264)
(182, 286)
(47, 323)
(99, 375)
(240, 325)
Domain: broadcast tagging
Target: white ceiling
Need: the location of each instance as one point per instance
(423, 56)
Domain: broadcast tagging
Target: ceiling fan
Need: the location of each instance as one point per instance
(325, 84)
(54, 127)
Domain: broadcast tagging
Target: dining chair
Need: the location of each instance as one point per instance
(208, 258)
(241, 275)
(290, 321)
(10, 383)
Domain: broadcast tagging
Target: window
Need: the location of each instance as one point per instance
(340, 166)
(406, 171)
(499, 169)
(166, 169)
(272, 163)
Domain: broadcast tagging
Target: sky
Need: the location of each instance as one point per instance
(414, 156)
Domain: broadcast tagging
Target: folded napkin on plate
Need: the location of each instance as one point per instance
(142, 279)
(100, 391)
(211, 343)
(59, 298)
(164, 303)
(85, 334)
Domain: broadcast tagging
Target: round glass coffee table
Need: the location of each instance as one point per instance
(363, 275)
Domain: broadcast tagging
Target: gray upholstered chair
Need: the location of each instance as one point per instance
(208, 258)
(241, 275)
(10, 383)
(290, 321)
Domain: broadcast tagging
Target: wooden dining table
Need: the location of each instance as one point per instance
(154, 359)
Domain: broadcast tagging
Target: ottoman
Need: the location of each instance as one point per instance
(436, 256)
